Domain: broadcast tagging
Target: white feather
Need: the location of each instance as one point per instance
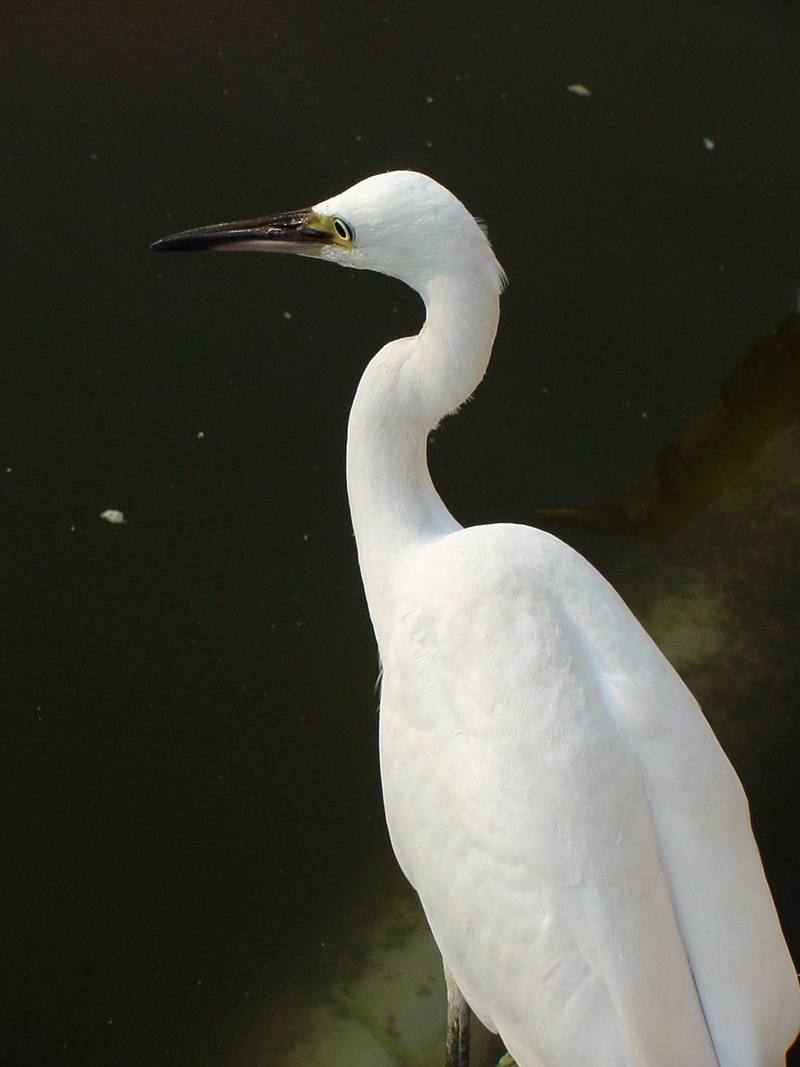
(580, 843)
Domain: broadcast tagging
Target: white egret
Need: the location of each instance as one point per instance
(579, 841)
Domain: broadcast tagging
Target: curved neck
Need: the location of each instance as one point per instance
(407, 388)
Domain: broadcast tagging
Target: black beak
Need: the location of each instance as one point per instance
(293, 231)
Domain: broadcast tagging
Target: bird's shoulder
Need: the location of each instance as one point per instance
(518, 618)
(515, 645)
(502, 587)
(489, 666)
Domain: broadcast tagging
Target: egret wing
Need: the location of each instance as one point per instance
(740, 963)
(528, 735)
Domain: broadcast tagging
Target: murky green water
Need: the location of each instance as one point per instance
(199, 871)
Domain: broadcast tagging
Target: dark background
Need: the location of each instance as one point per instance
(188, 699)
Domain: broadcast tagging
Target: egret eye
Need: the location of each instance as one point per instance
(343, 229)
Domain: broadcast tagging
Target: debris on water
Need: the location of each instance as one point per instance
(113, 516)
(709, 144)
(579, 89)
(287, 314)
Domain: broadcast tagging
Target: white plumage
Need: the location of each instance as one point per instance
(578, 839)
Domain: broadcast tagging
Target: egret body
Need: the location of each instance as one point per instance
(578, 839)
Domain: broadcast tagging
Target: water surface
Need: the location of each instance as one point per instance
(198, 848)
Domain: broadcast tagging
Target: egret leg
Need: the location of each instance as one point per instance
(458, 1015)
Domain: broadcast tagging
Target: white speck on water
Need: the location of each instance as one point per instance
(287, 314)
(709, 144)
(199, 435)
(644, 414)
(579, 89)
(9, 470)
(428, 99)
(429, 144)
(113, 516)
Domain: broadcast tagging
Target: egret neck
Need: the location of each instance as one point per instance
(405, 391)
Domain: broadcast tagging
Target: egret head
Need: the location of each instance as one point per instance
(401, 223)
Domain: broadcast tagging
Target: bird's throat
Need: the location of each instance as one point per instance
(407, 388)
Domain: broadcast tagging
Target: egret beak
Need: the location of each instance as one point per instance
(302, 232)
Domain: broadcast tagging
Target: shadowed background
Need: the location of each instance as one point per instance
(188, 699)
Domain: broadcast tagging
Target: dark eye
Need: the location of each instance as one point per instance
(343, 229)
